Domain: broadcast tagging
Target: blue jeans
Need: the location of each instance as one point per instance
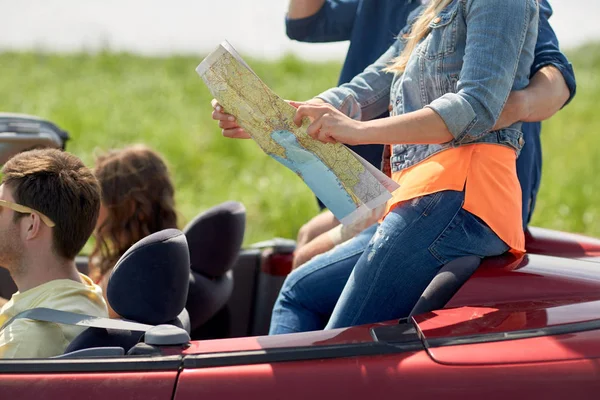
(381, 273)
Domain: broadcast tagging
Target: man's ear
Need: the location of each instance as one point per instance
(32, 225)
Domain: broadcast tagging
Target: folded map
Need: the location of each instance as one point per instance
(346, 183)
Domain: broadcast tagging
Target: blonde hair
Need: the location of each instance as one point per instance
(419, 30)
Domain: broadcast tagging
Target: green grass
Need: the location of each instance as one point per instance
(111, 100)
(569, 197)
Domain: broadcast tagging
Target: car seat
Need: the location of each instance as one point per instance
(214, 239)
(149, 284)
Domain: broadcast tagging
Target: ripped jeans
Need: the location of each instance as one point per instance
(381, 273)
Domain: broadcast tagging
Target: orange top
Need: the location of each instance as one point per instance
(488, 175)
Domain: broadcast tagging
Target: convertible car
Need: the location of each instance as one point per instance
(501, 328)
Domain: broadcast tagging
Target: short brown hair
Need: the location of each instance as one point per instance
(60, 186)
(139, 197)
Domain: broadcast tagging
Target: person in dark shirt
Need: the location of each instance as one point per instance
(371, 27)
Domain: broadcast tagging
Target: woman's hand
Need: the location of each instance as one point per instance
(229, 126)
(328, 124)
(227, 123)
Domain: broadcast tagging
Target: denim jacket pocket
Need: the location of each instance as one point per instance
(450, 82)
(442, 38)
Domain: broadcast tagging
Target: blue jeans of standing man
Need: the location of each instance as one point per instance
(381, 273)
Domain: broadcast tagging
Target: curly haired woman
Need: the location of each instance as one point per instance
(137, 200)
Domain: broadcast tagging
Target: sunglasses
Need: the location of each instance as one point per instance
(26, 210)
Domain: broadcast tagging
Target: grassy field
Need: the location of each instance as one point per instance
(569, 197)
(111, 100)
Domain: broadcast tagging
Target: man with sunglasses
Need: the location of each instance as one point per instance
(49, 204)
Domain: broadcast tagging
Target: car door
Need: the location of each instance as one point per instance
(148, 378)
(465, 353)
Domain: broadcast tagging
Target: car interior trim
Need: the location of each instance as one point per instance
(286, 354)
(108, 364)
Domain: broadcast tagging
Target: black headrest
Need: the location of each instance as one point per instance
(215, 237)
(149, 283)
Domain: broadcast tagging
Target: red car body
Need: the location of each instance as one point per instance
(519, 328)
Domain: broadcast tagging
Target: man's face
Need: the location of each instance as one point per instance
(11, 246)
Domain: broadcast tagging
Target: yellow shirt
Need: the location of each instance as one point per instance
(24, 338)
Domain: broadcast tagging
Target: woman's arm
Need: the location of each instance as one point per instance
(483, 88)
(329, 125)
(364, 98)
(497, 41)
(367, 95)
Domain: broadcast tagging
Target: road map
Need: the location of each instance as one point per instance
(347, 184)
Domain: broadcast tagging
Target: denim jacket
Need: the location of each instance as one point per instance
(465, 80)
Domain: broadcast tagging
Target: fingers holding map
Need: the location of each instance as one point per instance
(347, 184)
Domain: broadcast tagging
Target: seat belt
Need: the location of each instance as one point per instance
(69, 318)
